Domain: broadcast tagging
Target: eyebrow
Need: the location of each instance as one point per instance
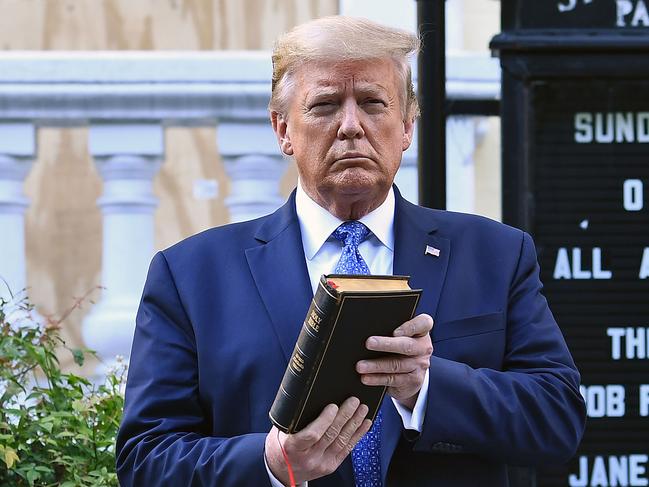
(324, 90)
(331, 89)
(371, 89)
(364, 86)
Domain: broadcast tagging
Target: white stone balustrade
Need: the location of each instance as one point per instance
(127, 156)
(254, 163)
(127, 99)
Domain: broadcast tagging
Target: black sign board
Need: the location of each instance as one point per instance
(575, 14)
(575, 128)
(590, 220)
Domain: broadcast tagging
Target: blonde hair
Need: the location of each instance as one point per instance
(342, 39)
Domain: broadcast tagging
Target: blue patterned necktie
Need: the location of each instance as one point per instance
(365, 455)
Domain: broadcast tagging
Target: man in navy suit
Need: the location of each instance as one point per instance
(491, 383)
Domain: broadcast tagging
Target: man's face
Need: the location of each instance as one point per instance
(346, 130)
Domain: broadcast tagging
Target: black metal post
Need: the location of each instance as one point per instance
(431, 74)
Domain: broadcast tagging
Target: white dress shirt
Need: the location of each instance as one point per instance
(322, 252)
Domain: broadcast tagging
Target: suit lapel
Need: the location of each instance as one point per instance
(414, 229)
(280, 274)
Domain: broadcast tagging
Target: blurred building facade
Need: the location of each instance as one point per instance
(127, 125)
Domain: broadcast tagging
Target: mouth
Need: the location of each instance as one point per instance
(352, 156)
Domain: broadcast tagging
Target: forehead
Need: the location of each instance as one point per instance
(367, 74)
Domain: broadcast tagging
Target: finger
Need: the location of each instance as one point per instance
(345, 413)
(361, 431)
(401, 345)
(343, 442)
(311, 434)
(398, 381)
(419, 326)
(392, 364)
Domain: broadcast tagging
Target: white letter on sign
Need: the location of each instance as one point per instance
(644, 264)
(633, 197)
(624, 8)
(582, 480)
(641, 16)
(565, 8)
(637, 471)
(598, 272)
(616, 335)
(644, 400)
(562, 266)
(583, 128)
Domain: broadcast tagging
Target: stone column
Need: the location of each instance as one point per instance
(17, 152)
(127, 157)
(254, 163)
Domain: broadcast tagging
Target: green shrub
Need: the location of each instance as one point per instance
(56, 429)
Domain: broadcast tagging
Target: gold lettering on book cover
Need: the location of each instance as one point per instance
(314, 321)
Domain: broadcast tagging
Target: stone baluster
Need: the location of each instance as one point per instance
(127, 157)
(254, 163)
(17, 152)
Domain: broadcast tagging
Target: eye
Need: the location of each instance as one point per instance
(322, 107)
(374, 105)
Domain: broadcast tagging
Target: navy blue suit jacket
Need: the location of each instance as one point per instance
(221, 312)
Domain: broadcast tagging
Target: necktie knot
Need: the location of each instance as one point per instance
(351, 233)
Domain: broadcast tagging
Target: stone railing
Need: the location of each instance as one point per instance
(126, 99)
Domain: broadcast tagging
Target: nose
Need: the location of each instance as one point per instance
(350, 124)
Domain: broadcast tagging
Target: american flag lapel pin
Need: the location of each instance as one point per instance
(431, 251)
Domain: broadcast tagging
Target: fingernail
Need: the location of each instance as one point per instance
(398, 332)
(361, 366)
(372, 342)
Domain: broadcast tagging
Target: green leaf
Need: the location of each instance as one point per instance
(10, 456)
(78, 356)
(32, 476)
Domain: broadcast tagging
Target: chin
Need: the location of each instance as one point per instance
(356, 184)
(361, 196)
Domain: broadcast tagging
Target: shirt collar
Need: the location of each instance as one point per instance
(317, 224)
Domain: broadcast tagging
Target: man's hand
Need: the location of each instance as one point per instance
(404, 369)
(320, 447)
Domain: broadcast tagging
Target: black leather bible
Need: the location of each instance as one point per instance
(346, 310)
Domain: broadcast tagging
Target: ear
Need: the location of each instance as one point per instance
(408, 130)
(280, 128)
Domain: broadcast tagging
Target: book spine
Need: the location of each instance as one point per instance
(302, 366)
